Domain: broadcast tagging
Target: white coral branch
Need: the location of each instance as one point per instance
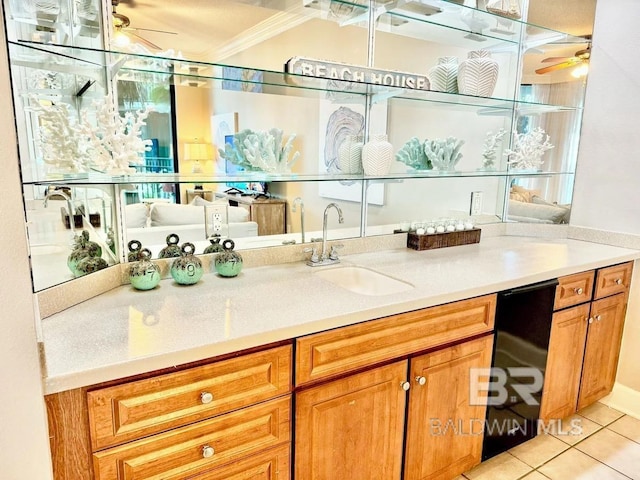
(528, 149)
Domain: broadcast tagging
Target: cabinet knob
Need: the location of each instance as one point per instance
(206, 397)
(590, 320)
(421, 380)
(598, 318)
(618, 281)
(405, 386)
(207, 451)
(579, 290)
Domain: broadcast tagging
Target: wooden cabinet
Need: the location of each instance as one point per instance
(346, 349)
(269, 213)
(574, 290)
(445, 423)
(564, 362)
(602, 349)
(225, 419)
(136, 409)
(352, 428)
(585, 341)
(198, 447)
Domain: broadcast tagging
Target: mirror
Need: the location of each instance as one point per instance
(195, 117)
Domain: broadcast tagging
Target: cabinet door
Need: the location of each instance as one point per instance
(444, 430)
(602, 349)
(352, 428)
(564, 363)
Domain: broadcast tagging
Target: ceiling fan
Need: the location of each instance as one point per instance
(581, 57)
(124, 33)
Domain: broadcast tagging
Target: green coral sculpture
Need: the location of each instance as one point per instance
(444, 154)
(412, 154)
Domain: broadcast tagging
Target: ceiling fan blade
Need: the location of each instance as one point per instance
(555, 59)
(150, 30)
(144, 41)
(557, 66)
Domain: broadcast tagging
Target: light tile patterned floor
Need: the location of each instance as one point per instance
(605, 446)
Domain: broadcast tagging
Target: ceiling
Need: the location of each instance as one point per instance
(200, 27)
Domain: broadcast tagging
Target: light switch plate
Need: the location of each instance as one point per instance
(476, 203)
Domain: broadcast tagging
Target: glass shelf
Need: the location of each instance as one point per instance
(95, 178)
(92, 63)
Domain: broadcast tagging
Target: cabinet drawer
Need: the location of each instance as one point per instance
(574, 290)
(136, 409)
(200, 447)
(274, 464)
(612, 280)
(349, 348)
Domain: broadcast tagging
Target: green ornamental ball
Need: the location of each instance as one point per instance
(228, 263)
(187, 269)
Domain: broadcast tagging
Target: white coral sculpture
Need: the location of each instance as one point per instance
(491, 143)
(261, 151)
(444, 154)
(115, 143)
(528, 149)
(59, 138)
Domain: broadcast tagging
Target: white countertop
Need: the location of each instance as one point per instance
(125, 332)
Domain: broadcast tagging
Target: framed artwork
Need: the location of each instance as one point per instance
(336, 122)
(222, 125)
(242, 79)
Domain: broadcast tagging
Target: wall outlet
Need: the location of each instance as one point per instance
(476, 203)
(215, 219)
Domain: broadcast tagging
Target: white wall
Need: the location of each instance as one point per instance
(606, 189)
(608, 175)
(24, 446)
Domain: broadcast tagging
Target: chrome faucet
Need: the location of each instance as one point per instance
(70, 207)
(299, 201)
(326, 258)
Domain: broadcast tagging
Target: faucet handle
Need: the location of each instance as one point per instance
(315, 258)
(333, 254)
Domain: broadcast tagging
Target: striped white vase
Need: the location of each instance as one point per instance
(444, 76)
(377, 155)
(350, 154)
(478, 74)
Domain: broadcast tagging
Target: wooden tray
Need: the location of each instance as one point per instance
(441, 240)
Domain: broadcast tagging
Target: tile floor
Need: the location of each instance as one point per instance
(604, 446)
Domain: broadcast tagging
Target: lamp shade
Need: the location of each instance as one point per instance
(196, 151)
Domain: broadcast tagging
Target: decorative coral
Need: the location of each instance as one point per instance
(261, 151)
(491, 143)
(444, 154)
(528, 149)
(412, 154)
(115, 142)
(60, 141)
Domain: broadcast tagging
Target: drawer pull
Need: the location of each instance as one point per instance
(579, 290)
(590, 319)
(421, 380)
(618, 281)
(598, 318)
(206, 397)
(405, 386)
(207, 451)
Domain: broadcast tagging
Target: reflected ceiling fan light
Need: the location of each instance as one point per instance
(580, 71)
(120, 39)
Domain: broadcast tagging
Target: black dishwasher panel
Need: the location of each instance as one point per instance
(523, 326)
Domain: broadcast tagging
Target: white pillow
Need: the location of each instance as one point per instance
(136, 215)
(201, 202)
(175, 214)
(237, 214)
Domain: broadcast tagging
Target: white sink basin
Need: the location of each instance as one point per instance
(364, 280)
